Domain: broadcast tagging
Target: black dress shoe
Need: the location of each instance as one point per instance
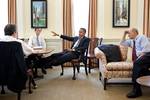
(134, 94)
(44, 71)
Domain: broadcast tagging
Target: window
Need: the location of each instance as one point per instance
(3, 15)
(80, 15)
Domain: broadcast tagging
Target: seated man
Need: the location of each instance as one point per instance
(37, 41)
(11, 35)
(140, 57)
(80, 43)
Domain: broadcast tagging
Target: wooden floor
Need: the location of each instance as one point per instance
(54, 87)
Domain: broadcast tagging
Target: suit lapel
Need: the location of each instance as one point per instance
(76, 39)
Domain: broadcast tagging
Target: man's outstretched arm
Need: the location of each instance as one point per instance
(62, 36)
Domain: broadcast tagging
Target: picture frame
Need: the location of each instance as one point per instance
(38, 13)
(121, 13)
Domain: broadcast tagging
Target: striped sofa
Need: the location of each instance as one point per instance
(121, 69)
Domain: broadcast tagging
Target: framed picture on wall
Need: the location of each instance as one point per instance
(121, 13)
(39, 13)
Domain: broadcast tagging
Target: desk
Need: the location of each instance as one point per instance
(144, 80)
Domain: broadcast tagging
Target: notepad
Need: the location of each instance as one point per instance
(38, 47)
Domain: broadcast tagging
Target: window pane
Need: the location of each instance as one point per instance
(80, 14)
(3, 15)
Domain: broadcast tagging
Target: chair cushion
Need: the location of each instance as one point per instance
(117, 74)
(119, 66)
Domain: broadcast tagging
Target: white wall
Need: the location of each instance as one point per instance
(20, 18)
(3, 16)
(100, 18)
(140, 15)
(54, 18)
(105, 28)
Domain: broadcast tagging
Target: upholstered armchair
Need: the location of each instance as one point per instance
(121, 69)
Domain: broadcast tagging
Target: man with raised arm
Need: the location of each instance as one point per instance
(140, 55)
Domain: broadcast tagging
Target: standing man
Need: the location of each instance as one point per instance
(80, 44)
(141, 58)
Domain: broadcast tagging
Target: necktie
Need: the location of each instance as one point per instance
(134, 56)
(38, 42)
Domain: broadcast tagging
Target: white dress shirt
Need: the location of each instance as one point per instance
(26, 49)
(76, 44)
(142, 44)
(35, 41)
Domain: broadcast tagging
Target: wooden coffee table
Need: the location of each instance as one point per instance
(144, 80)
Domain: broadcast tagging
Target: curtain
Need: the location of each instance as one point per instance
(92, 25)
(67, 24)
(146, 27)
(12, 12)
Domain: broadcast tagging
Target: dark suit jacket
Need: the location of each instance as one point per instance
(12, 66)
(112, 52)
(83, 45)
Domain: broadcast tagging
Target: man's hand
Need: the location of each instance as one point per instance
(70, 49)
(124, 36)
(142, 54)
(54, 33)
(126, 32)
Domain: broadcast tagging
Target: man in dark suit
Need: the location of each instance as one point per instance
(80, 44)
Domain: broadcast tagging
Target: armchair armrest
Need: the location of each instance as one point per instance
(100, 55)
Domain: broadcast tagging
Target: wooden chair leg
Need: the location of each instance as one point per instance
(90, 65)
(100, 75)
(78, 68)
(30, 81)
(74, 72)
(36, 72)
(3, 90)
(86, 69)
(98, 63)
(19, 96)
(33, 83)
(105, 83)
(62, 68)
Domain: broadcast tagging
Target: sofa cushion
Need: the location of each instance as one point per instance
(119, 66)
(117, 74)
